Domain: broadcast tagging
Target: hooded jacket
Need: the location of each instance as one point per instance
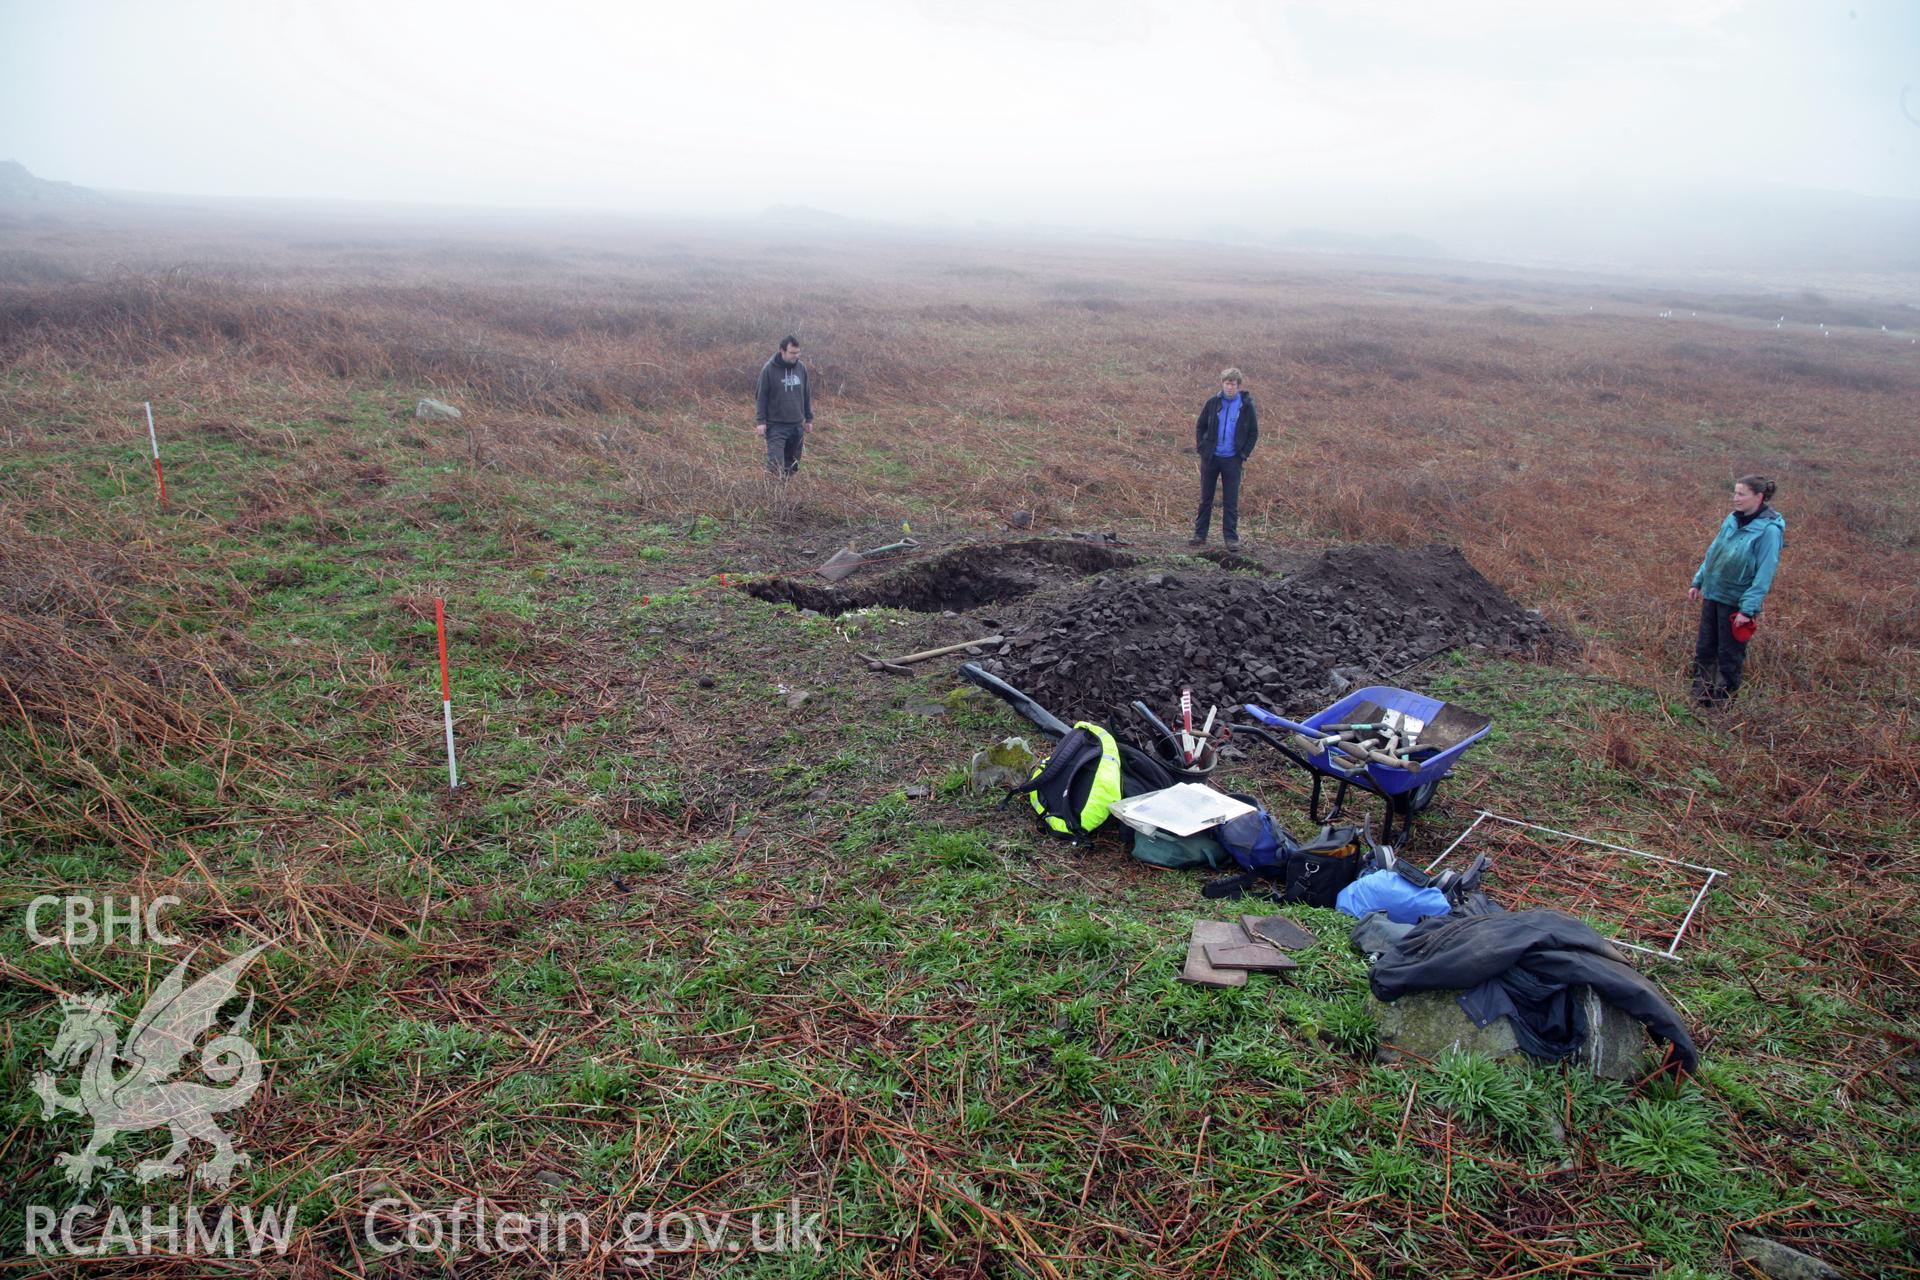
(1246, 431)
(1524, 964)
(782, 395)
(1739, 564)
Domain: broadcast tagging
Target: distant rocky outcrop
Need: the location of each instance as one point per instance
(18, 186)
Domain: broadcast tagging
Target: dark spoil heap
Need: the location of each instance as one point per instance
(1369, 612)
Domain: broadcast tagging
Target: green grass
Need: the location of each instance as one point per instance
(678, 943)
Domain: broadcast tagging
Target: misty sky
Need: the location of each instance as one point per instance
(1121, 114)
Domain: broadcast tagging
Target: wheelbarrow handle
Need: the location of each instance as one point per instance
(1048, 723)
(1320, 738)
(1267, 717)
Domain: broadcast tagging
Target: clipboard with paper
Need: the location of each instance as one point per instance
(1182, 810)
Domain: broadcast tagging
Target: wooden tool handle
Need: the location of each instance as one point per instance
(945, 649)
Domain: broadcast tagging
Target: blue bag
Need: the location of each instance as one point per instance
(1251, 841)
(1389, 891)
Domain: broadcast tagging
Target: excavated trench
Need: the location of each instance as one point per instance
(959, 580)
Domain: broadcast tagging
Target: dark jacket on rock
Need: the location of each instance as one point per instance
(1206, 431)
(783, 395)
(1523, 964)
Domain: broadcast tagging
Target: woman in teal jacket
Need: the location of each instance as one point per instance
(1730, 586)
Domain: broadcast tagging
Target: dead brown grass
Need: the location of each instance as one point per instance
(113, 667)
(1578, 456)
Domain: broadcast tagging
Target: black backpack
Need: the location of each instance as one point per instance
(1067, 792)
(1061, 787)
(1141, 772)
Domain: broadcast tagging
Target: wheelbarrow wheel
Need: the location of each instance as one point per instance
(1422, 796)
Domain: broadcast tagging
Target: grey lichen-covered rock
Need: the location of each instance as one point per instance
(1001, 767)
(1428, 1024)
(1780, 1261)
(435, 411)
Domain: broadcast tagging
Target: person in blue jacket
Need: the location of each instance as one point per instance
(1223, 436)
(1730, 586)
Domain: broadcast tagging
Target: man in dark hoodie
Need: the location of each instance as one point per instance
(783, 408)
(1223, 436)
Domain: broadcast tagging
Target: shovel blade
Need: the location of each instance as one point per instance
(1453, 725)
(840, 564)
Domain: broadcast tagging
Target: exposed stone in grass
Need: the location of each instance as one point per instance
(1426, 1025)
(1006, 764)
(1780, 1261)
(967, 696)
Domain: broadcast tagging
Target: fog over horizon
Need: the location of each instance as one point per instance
(1715, 131)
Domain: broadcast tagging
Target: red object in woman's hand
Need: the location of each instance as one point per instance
(1743, 627)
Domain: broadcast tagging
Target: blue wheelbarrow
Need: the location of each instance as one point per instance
(1427, 735)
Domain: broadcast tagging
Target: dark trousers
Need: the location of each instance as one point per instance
(1717, 656)
(1227, 472)
(785, 440)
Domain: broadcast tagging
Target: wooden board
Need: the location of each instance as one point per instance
(1257, 956)
(1278, 930)
(1197, 971)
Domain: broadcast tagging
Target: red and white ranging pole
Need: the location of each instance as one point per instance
(153, 438)
(446, 690)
